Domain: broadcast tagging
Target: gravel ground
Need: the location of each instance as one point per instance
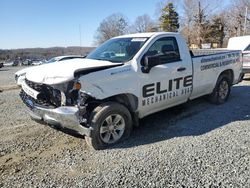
(195, 145)
(7, 76)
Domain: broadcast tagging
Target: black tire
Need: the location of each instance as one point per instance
(242, 77)
(101, 118)
(221, 91)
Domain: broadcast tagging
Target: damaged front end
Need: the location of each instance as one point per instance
(59, 105)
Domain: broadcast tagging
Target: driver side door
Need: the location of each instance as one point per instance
(170, 82)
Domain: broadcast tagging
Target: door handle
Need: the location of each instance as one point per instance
(181, 69)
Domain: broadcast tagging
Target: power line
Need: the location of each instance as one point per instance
(245, 23)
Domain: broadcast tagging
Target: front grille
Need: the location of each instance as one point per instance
(30, 102)
(48, 96)
(35, 86)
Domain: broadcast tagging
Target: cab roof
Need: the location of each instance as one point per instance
(146, 35)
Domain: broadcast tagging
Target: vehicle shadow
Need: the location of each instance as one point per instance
(247, 77)
(190, 119)
(64, 130)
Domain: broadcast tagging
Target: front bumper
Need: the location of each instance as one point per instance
(66, 117)
(19, 79)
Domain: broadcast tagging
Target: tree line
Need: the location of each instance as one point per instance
(42, 53)
(200, 22)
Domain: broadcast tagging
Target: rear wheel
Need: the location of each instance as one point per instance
(221, 91)
(110, 122)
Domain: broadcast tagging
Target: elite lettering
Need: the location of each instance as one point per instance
(152, 89)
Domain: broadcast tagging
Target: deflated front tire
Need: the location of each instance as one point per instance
(111, 122)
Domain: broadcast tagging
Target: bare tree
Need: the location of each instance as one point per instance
(113, 25)
(143, 24)
(189, 12)
(195, 22)
(238, 18)
(187, 20)
(201, 25)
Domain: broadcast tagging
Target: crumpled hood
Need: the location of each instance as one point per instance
(24, 70)
(59, 72)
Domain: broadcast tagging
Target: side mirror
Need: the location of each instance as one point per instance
(149, 62)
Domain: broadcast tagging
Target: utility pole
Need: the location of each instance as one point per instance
(199, 25)
(80, 35)
(245, 23)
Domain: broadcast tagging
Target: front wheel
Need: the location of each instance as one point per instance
(221, 91)
(110, 123)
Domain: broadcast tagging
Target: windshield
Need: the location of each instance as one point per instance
(247, 48)
(52, 60)
(118, 49)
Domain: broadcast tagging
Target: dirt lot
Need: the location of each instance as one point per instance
(195, 145)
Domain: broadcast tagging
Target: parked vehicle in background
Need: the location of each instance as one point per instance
(27, 62)
(20, 75)
(1, 65)
(15, 63)
(38, 62)
(242, 43)
(124, 80)
(246, 61)
(239, 43)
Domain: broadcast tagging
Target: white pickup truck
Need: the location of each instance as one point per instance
(125, 79)
(241, 43)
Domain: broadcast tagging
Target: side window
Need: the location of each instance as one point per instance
(166, 48)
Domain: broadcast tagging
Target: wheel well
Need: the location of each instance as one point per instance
(128, 100)
(229, 74)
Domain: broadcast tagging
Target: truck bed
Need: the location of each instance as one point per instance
(204, 52)
(208, 64)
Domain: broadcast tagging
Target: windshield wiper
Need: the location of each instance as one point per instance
(112, 61)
